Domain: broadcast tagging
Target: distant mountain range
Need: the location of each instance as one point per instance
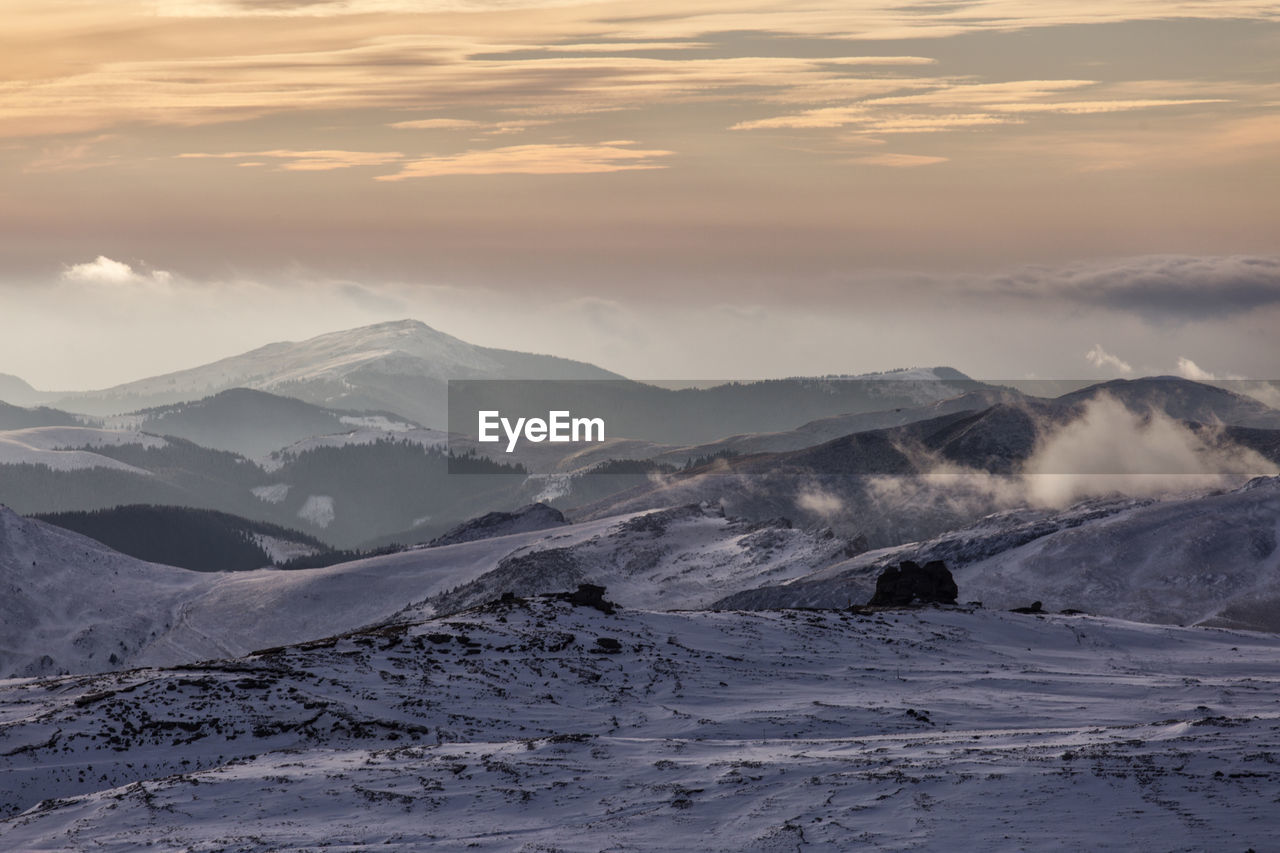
(401, 370)
(346, 444)
(401, 366)
(372, 479)
(903, 483)
(697, 415)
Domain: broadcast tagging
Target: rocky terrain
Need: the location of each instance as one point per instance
(538, 725)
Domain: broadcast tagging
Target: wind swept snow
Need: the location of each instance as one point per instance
(542, 726)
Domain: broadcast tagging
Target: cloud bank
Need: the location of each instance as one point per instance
(1111, 450)
(1156, 287)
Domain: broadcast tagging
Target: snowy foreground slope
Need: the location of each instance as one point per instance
(540, 725)
(70, 604)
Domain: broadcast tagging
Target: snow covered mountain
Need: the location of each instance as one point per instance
(399, 366)
(537, 725)
(1210, 559)
(73, 605)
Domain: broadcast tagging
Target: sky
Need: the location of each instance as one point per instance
(670, 189)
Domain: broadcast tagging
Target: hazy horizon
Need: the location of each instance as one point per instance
(1050, 189)
(1102, 367)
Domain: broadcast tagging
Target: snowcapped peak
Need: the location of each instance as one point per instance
(397, 366)
(406, 331)
(407, 325)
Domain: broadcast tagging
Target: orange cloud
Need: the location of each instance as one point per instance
(1086, 107)
(899, 161)
(533, 160)
(309, 161)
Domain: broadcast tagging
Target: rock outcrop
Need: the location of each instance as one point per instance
(910, 583)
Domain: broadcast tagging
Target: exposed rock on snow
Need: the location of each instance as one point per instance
(909, 583)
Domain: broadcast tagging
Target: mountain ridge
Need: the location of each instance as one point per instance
(368, 367)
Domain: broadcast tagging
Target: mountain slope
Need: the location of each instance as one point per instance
(202, 540)
(72, 604)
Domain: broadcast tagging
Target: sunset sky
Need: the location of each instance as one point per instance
(668, 189)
